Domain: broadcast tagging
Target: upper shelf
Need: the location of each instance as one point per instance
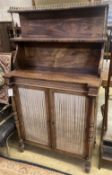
(60, 40)
(68, 23)
(58, 6)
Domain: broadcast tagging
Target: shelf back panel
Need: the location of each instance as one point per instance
(66, 23)
(73, 58)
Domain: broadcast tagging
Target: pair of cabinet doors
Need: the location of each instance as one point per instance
(53, 118)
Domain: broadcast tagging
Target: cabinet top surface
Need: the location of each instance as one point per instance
(59, 77)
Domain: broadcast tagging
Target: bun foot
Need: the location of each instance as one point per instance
(21, 146)
(87, 166)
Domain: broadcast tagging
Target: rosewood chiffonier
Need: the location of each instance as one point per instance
(58, 63)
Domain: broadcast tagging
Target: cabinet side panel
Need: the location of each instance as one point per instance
(34, 115)
(70, 116)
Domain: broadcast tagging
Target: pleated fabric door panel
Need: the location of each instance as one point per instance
(70, 122)
(34, 115)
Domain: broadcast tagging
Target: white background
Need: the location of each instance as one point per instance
(6, 4)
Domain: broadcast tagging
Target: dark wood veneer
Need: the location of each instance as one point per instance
(58, 64)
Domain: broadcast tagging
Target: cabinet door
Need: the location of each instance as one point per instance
(34, 115)
(70, 122)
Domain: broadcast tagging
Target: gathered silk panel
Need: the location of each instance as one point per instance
(70, 118)
(34, 115)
